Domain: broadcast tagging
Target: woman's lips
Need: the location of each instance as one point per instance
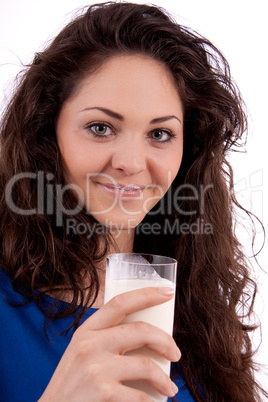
(123, 190)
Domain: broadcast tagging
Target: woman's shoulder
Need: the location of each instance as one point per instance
(16, 307)
(10, 299)
(6, 287)
(4, 277)
(8, 294)
(184, 394)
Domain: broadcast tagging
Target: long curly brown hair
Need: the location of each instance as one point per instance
(213, 282)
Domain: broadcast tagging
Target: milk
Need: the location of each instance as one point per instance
(161, 316)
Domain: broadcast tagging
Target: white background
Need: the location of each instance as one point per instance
(238, 28)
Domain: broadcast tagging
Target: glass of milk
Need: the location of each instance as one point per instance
(130, 271)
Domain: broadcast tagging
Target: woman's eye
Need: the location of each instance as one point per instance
(100, 129)
(161, 135)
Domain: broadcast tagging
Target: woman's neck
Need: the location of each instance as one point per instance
(123, 242)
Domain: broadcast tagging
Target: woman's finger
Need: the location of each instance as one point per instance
(116, 310)
(123, 393)
(136, 368)
(132, 336)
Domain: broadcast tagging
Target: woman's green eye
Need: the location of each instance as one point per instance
(100, 129)
(161, 135)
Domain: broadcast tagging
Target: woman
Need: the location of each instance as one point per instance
(123, 123)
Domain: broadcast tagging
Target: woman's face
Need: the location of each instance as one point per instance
(121, 139)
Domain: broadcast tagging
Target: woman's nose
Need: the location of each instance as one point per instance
(130, 157)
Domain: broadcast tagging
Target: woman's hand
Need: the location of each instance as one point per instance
(94, 366)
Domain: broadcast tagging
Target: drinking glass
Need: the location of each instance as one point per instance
(130, 271)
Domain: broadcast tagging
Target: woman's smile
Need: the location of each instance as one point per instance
(123, 190)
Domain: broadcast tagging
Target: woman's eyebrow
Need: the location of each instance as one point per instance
(107, 111)
(163, 119)
(118, 116)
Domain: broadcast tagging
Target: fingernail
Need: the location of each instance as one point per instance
(166, 291)
(178, 353)
(174, 388)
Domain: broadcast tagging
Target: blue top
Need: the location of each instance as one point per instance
(27, 358)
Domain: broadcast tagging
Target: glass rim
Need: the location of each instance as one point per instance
(172, 261)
